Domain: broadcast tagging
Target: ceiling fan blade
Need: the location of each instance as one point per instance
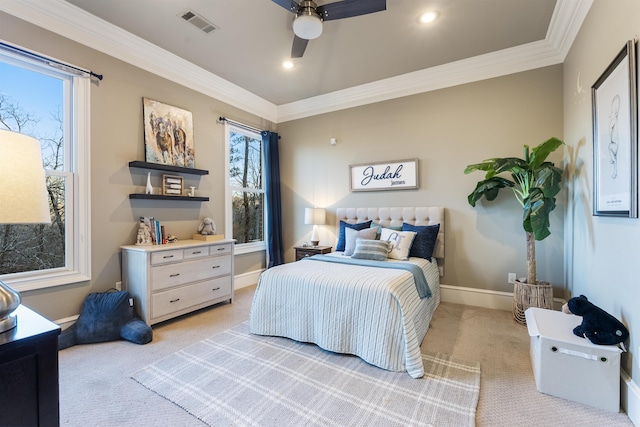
(349, 8)
(290, 5)
(299, 46)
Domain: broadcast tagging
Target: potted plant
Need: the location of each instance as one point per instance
(535, 184)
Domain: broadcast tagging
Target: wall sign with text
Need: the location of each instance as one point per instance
(395, 175)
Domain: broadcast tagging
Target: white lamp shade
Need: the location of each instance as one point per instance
(315, 216)
(307, 26)
(23, 189)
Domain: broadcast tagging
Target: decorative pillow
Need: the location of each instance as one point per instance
(378, 227)
(376, 250)
(399, 242)
(341, 233)
(425, 241)
(352, 235)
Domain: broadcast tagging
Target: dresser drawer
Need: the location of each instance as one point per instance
(167, 276)
(199, 252)
(225, 249)
(172, 300)
(164, 257)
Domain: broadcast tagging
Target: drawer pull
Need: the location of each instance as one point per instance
(221, 249)
(216, 289)
(167, 256)
(196, 252)
(174, 275)
(175, 300)
(216, 266)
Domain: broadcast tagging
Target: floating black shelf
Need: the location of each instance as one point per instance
(162, 197)
(168, 168)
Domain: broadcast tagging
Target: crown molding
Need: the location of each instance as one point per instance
(566, 20)
(74, 23)
(67, 20)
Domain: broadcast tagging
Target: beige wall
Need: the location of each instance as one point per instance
(446, 130)
(602, 252)
(117, 139)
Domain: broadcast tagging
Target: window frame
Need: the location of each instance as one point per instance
(76, 113)
(241, 248)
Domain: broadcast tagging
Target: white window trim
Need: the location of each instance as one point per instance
(78, 268)
(242, 248)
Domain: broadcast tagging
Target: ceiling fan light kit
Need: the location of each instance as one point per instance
(308, 25)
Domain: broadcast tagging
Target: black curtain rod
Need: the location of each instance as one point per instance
(222, 119)
(49, 61)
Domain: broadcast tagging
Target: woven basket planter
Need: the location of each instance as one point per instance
(526, 295)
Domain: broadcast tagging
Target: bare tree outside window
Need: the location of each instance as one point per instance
(26, 248)
(246, 168)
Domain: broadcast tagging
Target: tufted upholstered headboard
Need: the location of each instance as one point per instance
(395, 217)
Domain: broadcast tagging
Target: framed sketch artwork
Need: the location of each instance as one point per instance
(168, 134)
(615, 137)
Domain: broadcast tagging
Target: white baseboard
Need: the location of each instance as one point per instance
(483, 298)
(630, 397)
(246, 279)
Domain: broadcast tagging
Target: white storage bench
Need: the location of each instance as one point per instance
(571, 367)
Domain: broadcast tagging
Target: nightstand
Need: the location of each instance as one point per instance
(307, 251)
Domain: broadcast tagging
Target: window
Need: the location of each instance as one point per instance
(51, 105)
(245, 188)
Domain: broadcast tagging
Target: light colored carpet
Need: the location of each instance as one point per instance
(96, 388)
(236, 378)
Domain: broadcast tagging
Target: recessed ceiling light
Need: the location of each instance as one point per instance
(427, 17)
(287, 64)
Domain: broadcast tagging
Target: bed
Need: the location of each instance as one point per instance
(378, 314)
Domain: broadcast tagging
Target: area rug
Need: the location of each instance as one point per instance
(239, 379)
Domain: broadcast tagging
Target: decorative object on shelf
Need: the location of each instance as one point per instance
(23, 200)
(615, 143)
(172, 185)
(395, 175)
(207, 231)
(168, 134)
(149, 189)
(171, 238)
(192, 191)
(144, 234)
(315, 217)
(535, 185)
(207, 227)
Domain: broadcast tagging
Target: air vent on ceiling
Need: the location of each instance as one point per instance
(198, 21)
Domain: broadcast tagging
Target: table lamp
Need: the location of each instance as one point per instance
(315, 217)
(23, 200)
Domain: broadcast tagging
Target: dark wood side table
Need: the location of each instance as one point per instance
(29, 392)
(307, 251)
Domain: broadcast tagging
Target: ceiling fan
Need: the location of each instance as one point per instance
(307, 24)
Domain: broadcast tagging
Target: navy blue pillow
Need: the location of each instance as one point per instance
(341, 235)
(425, 241)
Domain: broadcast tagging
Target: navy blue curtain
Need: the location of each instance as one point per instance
(275, 246)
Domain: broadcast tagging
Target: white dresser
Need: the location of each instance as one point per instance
(174, 279)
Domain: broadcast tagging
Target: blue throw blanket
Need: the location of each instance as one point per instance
(418, 275)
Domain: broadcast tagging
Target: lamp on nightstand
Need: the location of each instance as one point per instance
(23, 200)
(315, 217)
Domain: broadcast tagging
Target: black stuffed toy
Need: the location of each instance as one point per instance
(597, 325)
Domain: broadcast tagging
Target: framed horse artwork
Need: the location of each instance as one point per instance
(168, 134)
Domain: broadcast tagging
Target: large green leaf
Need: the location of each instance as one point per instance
(488, 188)
(548, 178)
(540, 153)
(537, 208)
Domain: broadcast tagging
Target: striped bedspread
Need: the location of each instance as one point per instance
(373, 313)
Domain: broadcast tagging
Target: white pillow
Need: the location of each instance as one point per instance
(352, 235)
(399, 242)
